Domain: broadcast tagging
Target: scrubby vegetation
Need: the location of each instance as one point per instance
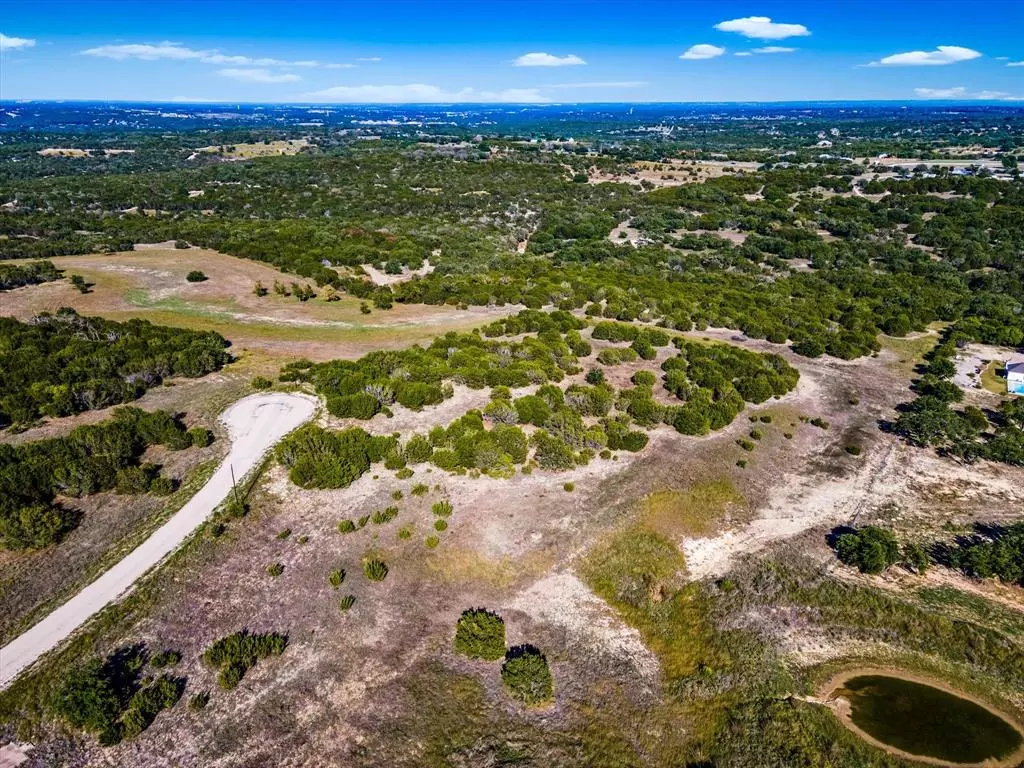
(92, 458)
(32, 273)
(319, 458)
(110, 698)
(236, 654)
(526, 676)
(870, 549)
(63, 363)
(480, 634)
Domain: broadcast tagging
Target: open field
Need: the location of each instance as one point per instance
(150, 283)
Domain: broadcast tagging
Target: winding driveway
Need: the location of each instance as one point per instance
(254, 424)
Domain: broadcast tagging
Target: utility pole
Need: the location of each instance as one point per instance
(234, 488)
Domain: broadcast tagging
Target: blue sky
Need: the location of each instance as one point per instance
(523, 51)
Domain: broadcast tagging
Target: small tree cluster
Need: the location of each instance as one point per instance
(235, 654)
(480, 634)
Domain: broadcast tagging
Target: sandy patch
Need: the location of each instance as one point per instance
(562, 600)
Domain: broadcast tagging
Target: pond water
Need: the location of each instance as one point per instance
(927, 721)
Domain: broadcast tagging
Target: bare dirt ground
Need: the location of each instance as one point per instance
(674, 173)
(383, 278)
(150, 283)
(265, 149)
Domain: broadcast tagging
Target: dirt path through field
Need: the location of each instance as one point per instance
(255, 424)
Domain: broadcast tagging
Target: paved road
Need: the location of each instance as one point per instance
(255, 424)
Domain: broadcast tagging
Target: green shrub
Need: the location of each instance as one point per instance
(746, 445)
(396, 495)
(765, 418)
(199, 437)
(235, 654)
(916, 558)
(432, 541)
(284, 533)
(871, 549)
(166, 658)
(336, 578)
(819, 422)
(197, 702)
(134, 480)
(275, 569)
(403, 474)
(347, 602)
(526, 676)
(195, 276)
(346, 526)
(644, 379)
(418, 449)
(234, 507)
(162, 486)
(375, 570)
(756, 434)
(405, 532)
(420, 489)
(480, 634)
(148, 702)
(569, 487)
(440, 525)
(382, 516)
(261, 383)
(853, 450)
(442, 508)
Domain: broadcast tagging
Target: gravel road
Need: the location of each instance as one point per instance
(254, 424)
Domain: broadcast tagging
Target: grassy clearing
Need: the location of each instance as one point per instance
(910, 350)
(973, 608)
(695, 511)
(637, 572)
(993, 377)
(459, 565)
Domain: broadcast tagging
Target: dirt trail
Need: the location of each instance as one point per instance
(255, 424)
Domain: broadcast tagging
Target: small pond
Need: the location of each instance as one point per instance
(923, 720)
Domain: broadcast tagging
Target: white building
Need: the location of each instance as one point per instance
(1015, 378)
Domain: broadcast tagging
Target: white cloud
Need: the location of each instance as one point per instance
(547, 60)
(169, 51)
(339, 66)
(959, 92)
(8, 43)
(943, 54)
(258, 76)
(369, 58)
(762, 28)
(701, 51)
(146, 52)
(1016, 64)
(420, 93)
(609, 84)
(773, 49)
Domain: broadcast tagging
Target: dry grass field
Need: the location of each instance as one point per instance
(150, 283)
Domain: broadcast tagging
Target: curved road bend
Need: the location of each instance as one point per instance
(254, 424)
